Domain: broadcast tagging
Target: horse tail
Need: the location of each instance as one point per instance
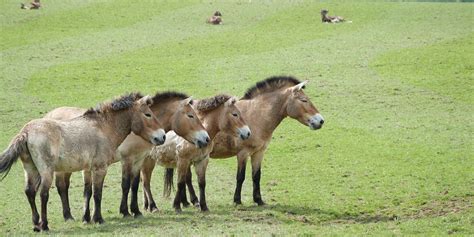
(10, 155)
(168, 178)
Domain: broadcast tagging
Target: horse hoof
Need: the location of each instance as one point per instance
(86, 219)
(238, 203)
(154, 210)
(138, 215)
(185, 204)
(99, 221)
(126, 215)
(205, 210)
(69, 218)
(178, 211)
(260, 202)
(36, 229)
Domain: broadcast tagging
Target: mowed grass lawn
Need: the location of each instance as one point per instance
(395, 156)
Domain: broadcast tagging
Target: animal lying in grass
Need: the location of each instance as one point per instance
(325, 18)
(33, 5)
(216, 19)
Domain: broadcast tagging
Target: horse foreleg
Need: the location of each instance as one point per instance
(32, 181)
(62, 185)
(192, 193)
(183, 167)
(241, 166)
(256, 173)
(126, 170)
(134, 200)
(86, 175)
(146, 172)
(98, 179)
(200, 168)
(46, 181)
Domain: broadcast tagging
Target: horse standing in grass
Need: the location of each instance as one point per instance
(219, 115)
(174, 111)
(264, 106)
(87, 142)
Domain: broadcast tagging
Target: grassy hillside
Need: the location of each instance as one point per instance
(395, 87)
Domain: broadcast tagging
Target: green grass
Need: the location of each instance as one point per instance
(394, 158)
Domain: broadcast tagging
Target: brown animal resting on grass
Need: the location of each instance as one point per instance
(330, 19)
(216, 19)
(33, 5)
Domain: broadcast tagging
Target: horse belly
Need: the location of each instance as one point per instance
(72, 163)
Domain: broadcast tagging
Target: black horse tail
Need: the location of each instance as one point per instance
(168, 178)
(10, 155)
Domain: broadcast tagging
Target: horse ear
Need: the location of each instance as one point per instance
(146, 100)
(188, 101)
(299, 86)
(231, 101)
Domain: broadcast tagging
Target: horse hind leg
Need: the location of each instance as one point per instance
(46, 181)
(33, 180)
(98, 184)
(87, 176)
(183, 167)
(62, 184)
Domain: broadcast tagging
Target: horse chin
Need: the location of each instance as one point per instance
(315, 127)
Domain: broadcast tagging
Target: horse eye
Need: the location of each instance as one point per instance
(234, 114)
(148, 115)
(304, 101)
(190, 116)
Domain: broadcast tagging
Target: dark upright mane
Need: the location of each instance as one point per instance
(269, 85)
(169, 95)
(212, 103)
(121, 103)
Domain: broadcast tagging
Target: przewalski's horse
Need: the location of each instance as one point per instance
(86, 142)
(219, 115)
(325, 18)
(215, 19)
(264, 106)
(173, 110)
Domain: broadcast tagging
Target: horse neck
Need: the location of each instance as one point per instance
(117, 125)
(164, 112)
(210, 121)
(270, 107)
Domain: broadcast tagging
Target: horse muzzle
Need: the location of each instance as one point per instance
(158, 137)
(202, 139)
(316, 122)
(244, 132)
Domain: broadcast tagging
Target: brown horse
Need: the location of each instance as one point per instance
(219, 115)
(325, 18)
(215, 19)
(264, 106)
(86, 142)
(174, 111)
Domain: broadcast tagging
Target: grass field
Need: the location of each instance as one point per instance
(395, 157)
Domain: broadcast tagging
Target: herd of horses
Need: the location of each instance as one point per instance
(170, 129)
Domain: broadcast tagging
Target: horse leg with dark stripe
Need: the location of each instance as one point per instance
(146, 172)
(32, 182)
(192, 193)
(98, 180)
(182, 167)
(126, 180)
(134, 199)
(45, 185)
(256, 173)
(241, 166)
(87, 176)
(201, 174)
(62, 184)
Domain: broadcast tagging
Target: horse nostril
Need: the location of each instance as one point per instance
(321, 122)
(164, 137)
(207, 139)
(248, 134)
